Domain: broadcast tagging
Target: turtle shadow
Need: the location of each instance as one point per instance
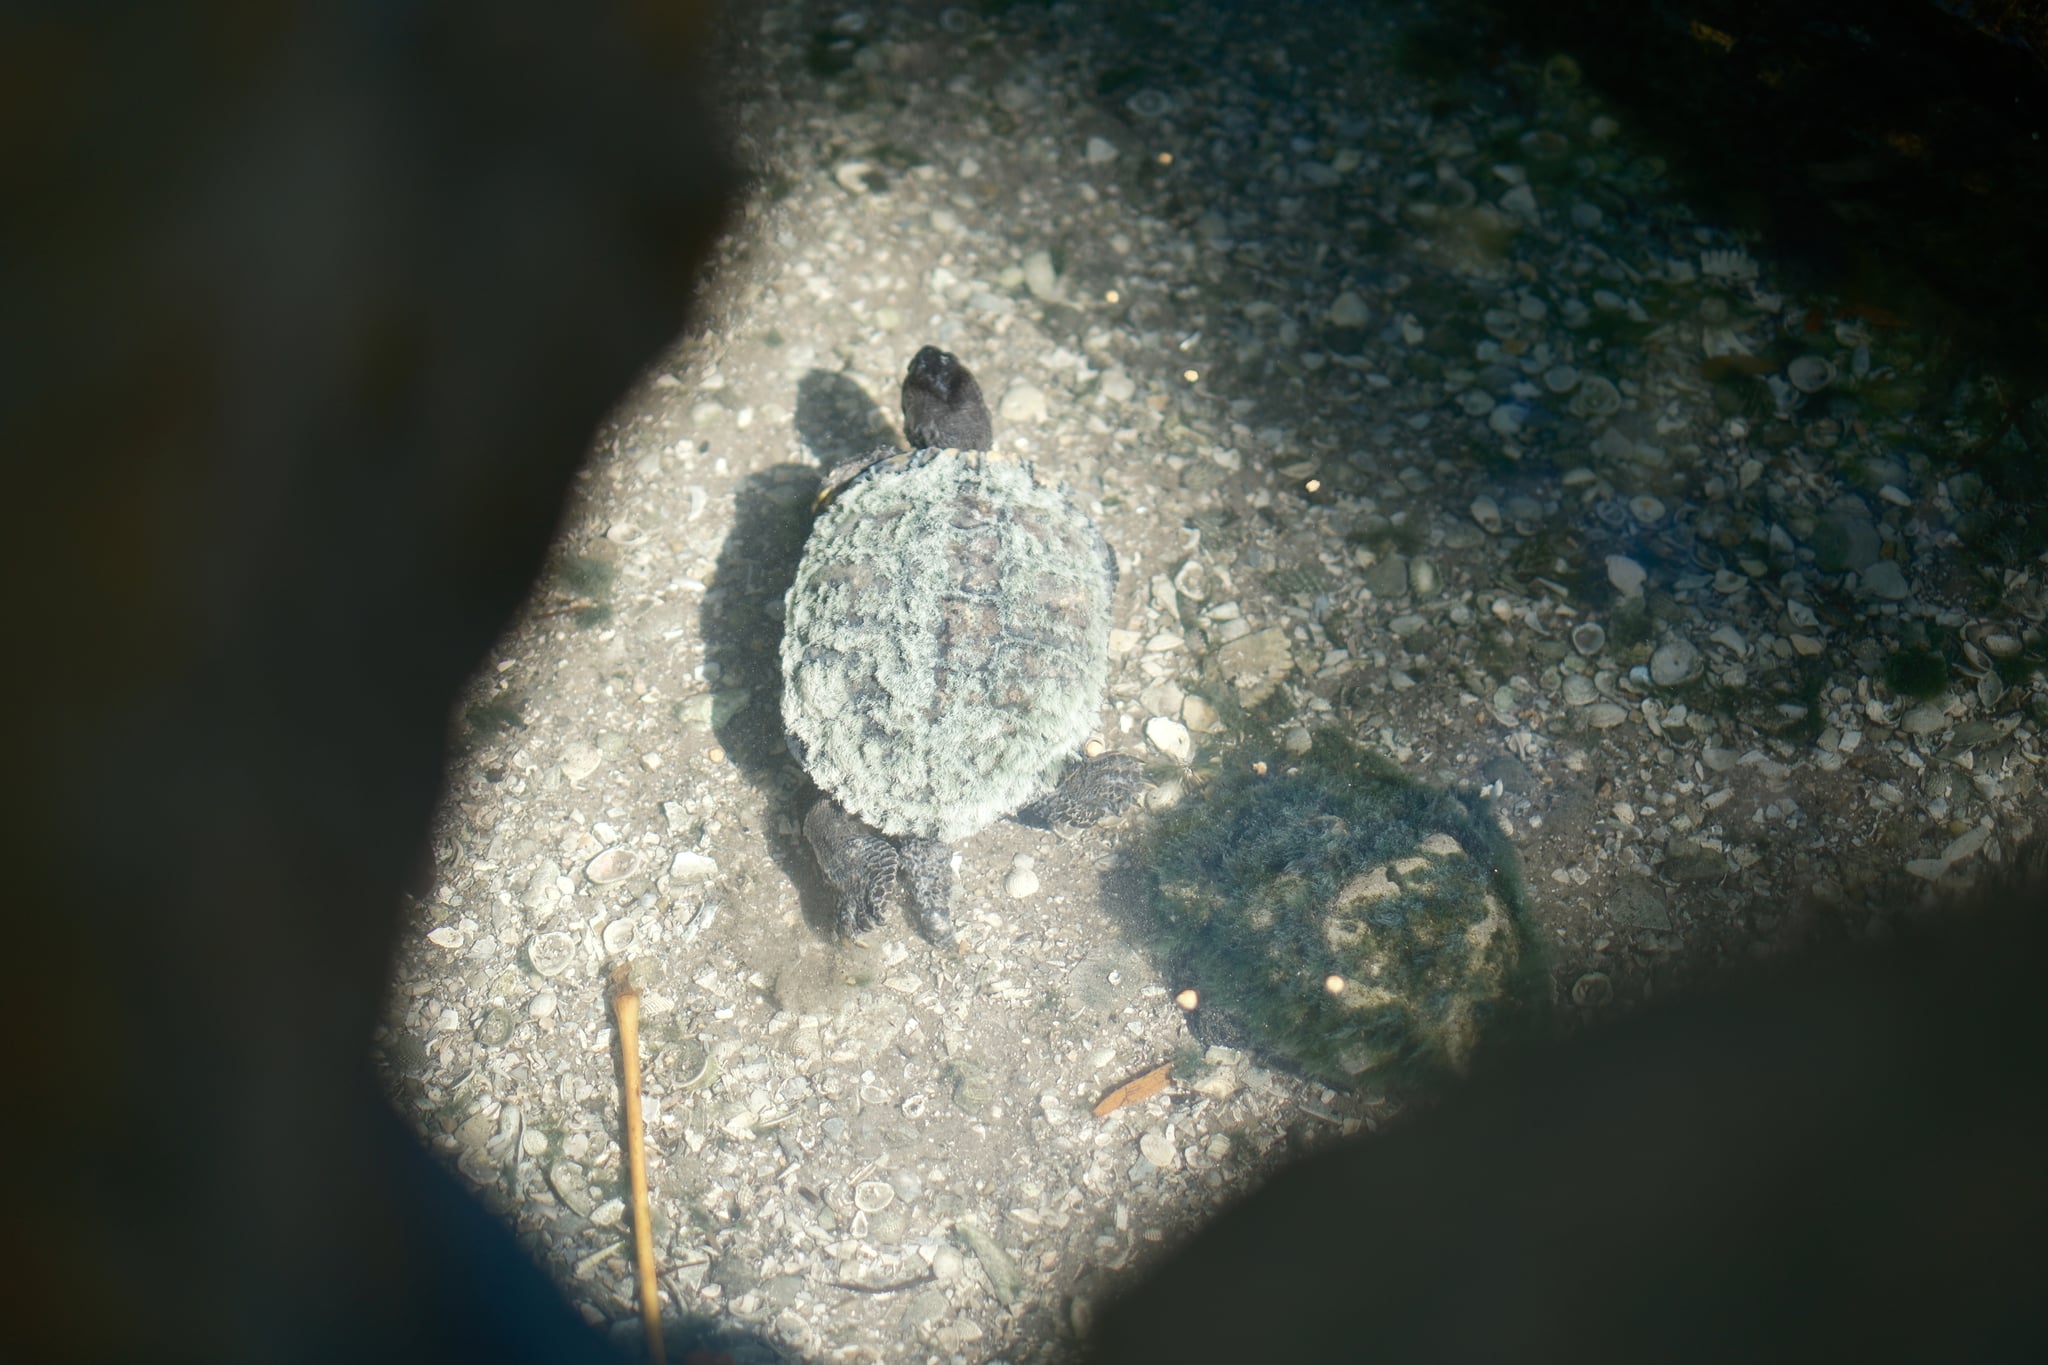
(741, 618)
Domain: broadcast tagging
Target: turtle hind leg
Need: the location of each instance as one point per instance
(861, 865)
(928, 867)
(1092, 791)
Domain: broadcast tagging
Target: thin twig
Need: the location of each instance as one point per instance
(626, 1005)
(913, 1282)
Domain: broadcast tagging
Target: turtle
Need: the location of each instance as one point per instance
(944, 651)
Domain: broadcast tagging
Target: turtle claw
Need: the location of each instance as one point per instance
(861, 865)
(1092, 791)
(928, 867)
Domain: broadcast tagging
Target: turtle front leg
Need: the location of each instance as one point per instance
(1092, 791)
(928, 867)
(860, 864)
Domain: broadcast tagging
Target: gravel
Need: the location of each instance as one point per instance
(1400, 418)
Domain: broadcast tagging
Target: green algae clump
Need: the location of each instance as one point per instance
(1340, 917)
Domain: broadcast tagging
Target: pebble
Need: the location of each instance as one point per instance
(1886, 580)
(1349, 310)
(1170, 737)
(1605, 715)
(1023, 401)
(1296, 739)
(1101, 151)
(1021, 883)
(1486, 512)
(1626, 575)
(1200, 717)
(447, 936)
(1041, 280)
(579, 761)
(1924, 719)
(688, 866)
(1421, 577)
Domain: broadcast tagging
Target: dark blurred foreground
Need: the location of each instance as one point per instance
(1841, 1162)
(310, 310)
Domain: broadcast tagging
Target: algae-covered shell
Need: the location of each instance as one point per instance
(946, 642)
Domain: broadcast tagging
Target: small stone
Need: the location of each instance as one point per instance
(1023, 401)
(1421, 577)
(1187, 999)
(1170, 737)
(1924, 719)
(1021, 883)
(543, 1005)
(1845, 541)
(1579, 690)
(579, 761)
(1157, 1150)
(1101, 151)
(1259, 654)
(1674, 663)
(1200, 717)
(1886, 580)
(1626, 575)
(1005, 1280)
(1296, 740)
(1561, 378)
(688, 866)
(1605, 715)
(1040, 278)
(1349, 310)
(1388, 577)
(852, 176)
(1486, 512)
(447, 936)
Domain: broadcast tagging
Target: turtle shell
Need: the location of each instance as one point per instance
(946, 642)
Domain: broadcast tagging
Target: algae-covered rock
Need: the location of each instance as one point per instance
(1340, 916)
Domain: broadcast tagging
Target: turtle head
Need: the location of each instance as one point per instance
(942, 405)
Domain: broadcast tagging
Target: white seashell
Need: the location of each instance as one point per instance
(1810, 373)
(1596, 397)
(872, 1196)
(612, 865)
(620, 935)
(1589, 638)
(551, 953)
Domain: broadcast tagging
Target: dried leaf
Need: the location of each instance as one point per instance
(1130, 1092)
